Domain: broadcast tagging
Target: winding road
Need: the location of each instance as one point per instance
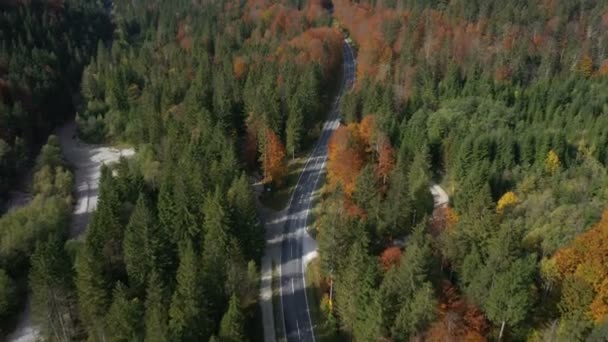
(296, 242)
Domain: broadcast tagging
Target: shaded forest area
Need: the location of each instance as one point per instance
(504, 103)
(44, 47)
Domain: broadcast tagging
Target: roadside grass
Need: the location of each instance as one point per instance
(276, 306)
(314, 294)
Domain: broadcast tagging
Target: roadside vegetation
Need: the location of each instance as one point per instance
(502, 102)
(32, 236)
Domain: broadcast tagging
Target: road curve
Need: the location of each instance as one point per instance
(296, 315)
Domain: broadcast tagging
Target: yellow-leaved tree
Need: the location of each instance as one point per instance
(552, 162)
(509, 199)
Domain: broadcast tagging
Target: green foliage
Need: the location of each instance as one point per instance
(42, 62)
(188, 315)
(232, 325)
(246, 227)
(406, 294)
(215, 249)
(142, 245)
(50, 281)
(123, 319)
(93, 292)
(8, 296)
(509, 299)
(156, 317)
(355, 289)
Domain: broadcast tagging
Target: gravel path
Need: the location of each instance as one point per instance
(86, 159)
(440, 197)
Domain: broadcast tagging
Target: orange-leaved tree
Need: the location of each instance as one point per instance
(273, 159)
(458, 319)
(390, 257)
(386, 159)
(444, 219)
(345, 158)
(367, 130)
(240, 67)
(586, 259)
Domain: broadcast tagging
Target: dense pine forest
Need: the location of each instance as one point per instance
(502, 103)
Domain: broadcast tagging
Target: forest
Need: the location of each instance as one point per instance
(502, 103)
(210, 95)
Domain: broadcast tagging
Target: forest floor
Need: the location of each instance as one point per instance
(86, 160)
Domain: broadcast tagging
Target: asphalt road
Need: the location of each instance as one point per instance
(296, 315)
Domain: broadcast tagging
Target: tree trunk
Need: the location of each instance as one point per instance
(502, 329)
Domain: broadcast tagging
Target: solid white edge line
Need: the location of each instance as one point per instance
(345, 68)
(348, 48)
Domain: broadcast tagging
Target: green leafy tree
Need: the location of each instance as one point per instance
(246, 226)
(576, 296)
(294, 131)
(510, 298)
(123, 319)
(187, 313)
(8, 292)
(406, 295)
(355, 289)
(232, 324)
(93, 291)
(50, 280)
(156, 318)
(143, 244)
(215, 249)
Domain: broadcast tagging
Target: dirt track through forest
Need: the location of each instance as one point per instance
(86, 160)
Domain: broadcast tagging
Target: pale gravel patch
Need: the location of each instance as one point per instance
(86, 160)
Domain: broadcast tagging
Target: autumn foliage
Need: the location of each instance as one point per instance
(322, 45)
(586, 258)
(367, 129)
(509, 199)
(365, 25)
(603, 71)
(444, 219)
(345, 158)
(386, 159)
(458, 320)
(585, 66)
(273, 159)
(240, 67)
(390, 257)
(351, 147)
(183, 37)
